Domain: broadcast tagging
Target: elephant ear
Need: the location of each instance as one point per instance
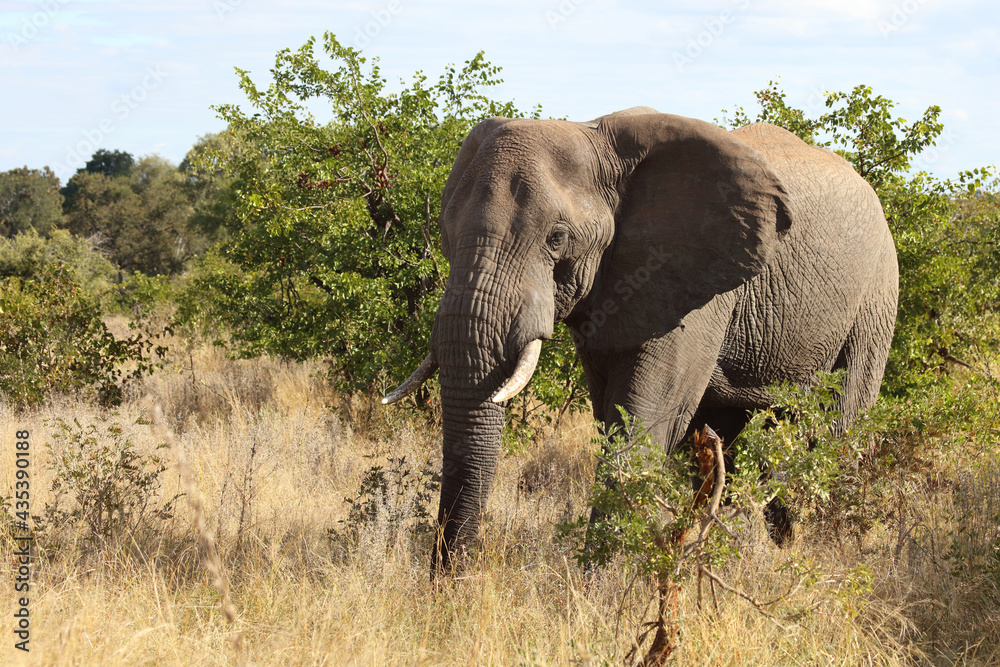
(699, 214)
(479, 134)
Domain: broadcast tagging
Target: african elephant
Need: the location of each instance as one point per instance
(695, 267)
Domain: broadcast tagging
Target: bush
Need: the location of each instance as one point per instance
(53, 339)
(645, 511)
(391, 502)
(112, 490)
(29, 200)
(29, 255)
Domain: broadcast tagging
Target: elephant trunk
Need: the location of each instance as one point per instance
(472, 425)
(472, 432)
(485, 341)
(472, 351)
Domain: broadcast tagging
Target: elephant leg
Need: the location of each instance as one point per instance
(661, 383)
(728, 423)
(863, 358)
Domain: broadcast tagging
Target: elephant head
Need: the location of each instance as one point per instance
(619, 227)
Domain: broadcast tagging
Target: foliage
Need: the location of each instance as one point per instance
(391, 498)
(644, 509)
(334, 250)
(141, 217)
(946, 239)
(107, 211)
(112, 489)
(53, 339)
(879, 146)
(142, 296)
(30, 255)
(642, 494)
(774, 110)
(859, 127)
(110, 163)
(641, 500)
(29, 200)
(799, 441)
(208, 186)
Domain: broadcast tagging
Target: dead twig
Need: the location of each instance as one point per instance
(708, 452)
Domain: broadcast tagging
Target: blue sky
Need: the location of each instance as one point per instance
(84, 74)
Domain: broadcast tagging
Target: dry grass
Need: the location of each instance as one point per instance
(275, 465)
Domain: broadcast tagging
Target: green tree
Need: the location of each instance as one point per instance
(140, 218)
(110, 163)
(163, 190)
(31, 256)
(29, 199)
(53, 339)
(209, 187)
(880, 146)
(107, 211)
(335, 247)
(774, 110)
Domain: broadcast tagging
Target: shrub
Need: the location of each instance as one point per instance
(645, 511)
(52, 339)
(391, 502)
(29, 255)
(112, 490)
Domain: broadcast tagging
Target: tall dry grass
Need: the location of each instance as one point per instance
(274, 462)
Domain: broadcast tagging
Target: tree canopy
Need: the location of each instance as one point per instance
(29, 199)
(141, 216)
(335, 246)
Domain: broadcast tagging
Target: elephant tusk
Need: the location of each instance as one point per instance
(521, 376)
(412, 383)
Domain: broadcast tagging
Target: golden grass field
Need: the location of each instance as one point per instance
(274, 453)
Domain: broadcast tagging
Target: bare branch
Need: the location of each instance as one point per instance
(749, 598)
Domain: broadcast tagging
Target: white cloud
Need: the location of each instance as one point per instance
(845, 9)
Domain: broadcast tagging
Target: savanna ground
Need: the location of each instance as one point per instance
(274, 454)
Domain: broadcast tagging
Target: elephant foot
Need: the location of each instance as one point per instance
(779, 524)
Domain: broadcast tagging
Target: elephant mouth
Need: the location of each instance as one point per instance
(527, 361)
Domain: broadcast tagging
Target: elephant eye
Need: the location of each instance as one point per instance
(558, 239)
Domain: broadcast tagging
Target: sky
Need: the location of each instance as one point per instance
(79, 75)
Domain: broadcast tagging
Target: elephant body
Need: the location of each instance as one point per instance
(825, 300)
(694, 266)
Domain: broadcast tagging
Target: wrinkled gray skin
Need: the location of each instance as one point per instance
(695, 267)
